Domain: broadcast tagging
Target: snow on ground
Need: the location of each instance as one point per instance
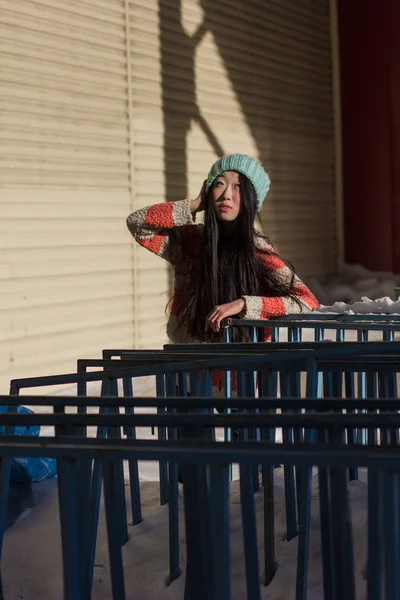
(31, 564)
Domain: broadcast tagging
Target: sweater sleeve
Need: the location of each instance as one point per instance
(300, 300)
(152, 226)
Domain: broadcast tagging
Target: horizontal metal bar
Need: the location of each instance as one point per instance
(319, 404)
(294, 420)
(382, 325)
(268, 347)
(339, 351)
(378, 362)
(205, 452)
(160, 359)
(319, 350)
(340, 317)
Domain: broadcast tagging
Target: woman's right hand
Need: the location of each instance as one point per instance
(199, 203)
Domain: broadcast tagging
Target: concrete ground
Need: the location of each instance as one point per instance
(32, 567)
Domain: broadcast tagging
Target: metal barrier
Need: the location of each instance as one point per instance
(387, 325)
(200, 366)
(206, 481)
(323, 380)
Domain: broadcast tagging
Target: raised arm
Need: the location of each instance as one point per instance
(152, 226)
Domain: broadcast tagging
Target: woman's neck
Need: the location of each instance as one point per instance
(228, 229)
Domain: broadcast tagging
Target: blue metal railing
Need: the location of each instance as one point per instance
(378, 359)
(295, 325)
(330, 455)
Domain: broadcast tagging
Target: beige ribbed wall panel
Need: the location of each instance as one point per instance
(65, 257)
(109, 105)
(152, 284)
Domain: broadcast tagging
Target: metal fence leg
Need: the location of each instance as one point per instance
(68, 506)
(162, 435)
(173, 492)
(391, 527)
(269, 524)
(113, 531)
(351, 433)
(362, 336)
(249, 533)
(94, 507)
(268, 434)
(85, 466)
(372, 393)
(288, 470)
(198, 584)
(119, 479)
(173, 511)
(342, 536)
(326, 534)
(94, 511)
(219, 524)
(228, 433)
(374, 560)
(304, 534)
(136, 505)
(383, 393)
(250, 391)
(5, 471)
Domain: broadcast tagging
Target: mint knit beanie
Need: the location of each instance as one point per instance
(245, 165)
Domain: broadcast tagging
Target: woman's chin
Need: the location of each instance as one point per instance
(225, 217)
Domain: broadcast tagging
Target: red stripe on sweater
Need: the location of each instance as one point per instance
(153, 244)
(273, 307)
(272, 261)
(306, 295)
(160, 215)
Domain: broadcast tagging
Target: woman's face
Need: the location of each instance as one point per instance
(226, 195)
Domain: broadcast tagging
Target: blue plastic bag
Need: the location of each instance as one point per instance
(32, 469)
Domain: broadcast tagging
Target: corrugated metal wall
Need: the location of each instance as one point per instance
(151, 280)
(66, 267)
(109, 105)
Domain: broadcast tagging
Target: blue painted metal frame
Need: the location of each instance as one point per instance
(304, 455)
(247, 363)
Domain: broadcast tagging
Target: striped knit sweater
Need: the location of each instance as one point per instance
(151, 227)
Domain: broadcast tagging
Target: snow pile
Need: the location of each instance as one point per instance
(354, 283)
(366, 306)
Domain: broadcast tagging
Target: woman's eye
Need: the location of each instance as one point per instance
(237, 185)
(219, 183)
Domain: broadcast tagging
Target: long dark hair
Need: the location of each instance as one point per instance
(227, 267)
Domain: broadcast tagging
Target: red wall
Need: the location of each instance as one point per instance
(369, 37)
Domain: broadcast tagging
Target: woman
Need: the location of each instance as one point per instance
(224, 268)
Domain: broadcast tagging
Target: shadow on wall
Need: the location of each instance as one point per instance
(285, 102)
(178, 82)
(265, 77)
(179, 96)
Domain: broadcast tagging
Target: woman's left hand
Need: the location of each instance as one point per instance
(222, 311)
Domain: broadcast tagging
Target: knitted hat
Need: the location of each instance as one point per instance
(242, 163)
